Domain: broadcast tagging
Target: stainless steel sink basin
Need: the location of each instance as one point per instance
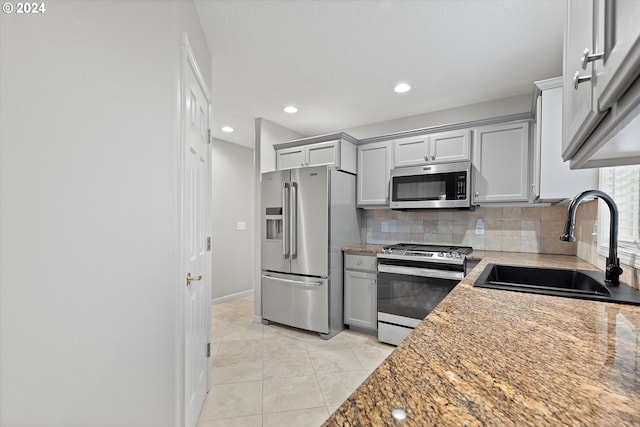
(568, 283)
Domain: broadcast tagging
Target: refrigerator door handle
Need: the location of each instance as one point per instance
(286, 249)
(294, 220)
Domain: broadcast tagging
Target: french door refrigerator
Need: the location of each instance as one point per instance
(308, 215)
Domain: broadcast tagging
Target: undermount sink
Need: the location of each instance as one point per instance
(567, 283)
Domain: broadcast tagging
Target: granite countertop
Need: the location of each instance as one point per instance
(370, 249)
(487, 357)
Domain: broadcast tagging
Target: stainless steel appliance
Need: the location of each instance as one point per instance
(445, 185)
(309, 214)
(412, 280)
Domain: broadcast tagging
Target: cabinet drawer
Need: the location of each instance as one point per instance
(361, 262)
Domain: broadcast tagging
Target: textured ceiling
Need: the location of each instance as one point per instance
(338, 60)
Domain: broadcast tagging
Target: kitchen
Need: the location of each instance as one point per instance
(76, 191)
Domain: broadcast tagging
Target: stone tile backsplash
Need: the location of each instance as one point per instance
(587, 249)
(515, 229)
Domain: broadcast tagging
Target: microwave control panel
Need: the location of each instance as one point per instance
(461, 186)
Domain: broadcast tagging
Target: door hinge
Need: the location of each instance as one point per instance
(209, 136)
(208, 349)
(209, 244)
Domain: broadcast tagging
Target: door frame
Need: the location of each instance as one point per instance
(188, 61)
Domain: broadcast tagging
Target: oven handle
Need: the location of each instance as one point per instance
(422, 272)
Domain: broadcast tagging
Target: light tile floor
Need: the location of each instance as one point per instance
(279, 376)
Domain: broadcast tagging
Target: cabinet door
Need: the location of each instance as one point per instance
(288, 158)
(500, 160)
(411, 151)
(323, 153)
(580, 111)
(449, 146)
(553, 180)
(360, 299)
(620, 43)
(373, 174)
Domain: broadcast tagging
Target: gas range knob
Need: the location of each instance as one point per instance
(441, 254)
(449, 255)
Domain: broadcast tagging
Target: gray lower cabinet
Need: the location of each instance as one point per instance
(360, 293)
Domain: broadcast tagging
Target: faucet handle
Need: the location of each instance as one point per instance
(613, 271)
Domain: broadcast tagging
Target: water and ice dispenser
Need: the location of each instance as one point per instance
(274, 223)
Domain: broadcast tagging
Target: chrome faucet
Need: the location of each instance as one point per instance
(613, 270)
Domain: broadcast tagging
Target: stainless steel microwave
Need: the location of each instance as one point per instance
(445, 185)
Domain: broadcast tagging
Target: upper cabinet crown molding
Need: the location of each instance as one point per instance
(315, 139)
(446, 127)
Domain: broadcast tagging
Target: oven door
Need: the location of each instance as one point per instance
(404, 300)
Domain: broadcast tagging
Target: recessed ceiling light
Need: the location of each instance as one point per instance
(290, 109)
(227, 129)
(402, 88)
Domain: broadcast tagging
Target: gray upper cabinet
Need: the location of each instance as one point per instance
(288, 158)
(501, 163)
(580, 113)
(432, 148)
(601, 82)
(552, 179)
(620, 41)
(374, 164)
(340, 153)
(450, 146)
(411, 151)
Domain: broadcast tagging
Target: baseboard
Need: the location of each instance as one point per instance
(231, 297)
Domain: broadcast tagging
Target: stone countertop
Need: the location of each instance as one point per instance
(369, 249)
(488, 357)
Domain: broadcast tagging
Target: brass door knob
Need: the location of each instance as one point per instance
(191, 278)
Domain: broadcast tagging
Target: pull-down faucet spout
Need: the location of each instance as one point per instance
(613, 270)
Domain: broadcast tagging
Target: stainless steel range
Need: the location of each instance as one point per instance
(412, 280)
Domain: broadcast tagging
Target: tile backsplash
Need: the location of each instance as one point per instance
(533, 229)
(587, 249)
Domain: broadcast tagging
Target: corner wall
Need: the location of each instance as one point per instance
(233, 198)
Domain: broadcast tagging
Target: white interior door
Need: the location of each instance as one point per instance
(197, 193)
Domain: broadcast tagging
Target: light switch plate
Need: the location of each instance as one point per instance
(241, 225)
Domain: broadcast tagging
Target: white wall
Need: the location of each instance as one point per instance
(89, 192)
(485, 110)
(232, 203)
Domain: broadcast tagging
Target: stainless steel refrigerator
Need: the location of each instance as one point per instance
(308, 215)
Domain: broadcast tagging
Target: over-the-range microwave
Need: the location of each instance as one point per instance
(445, 185)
